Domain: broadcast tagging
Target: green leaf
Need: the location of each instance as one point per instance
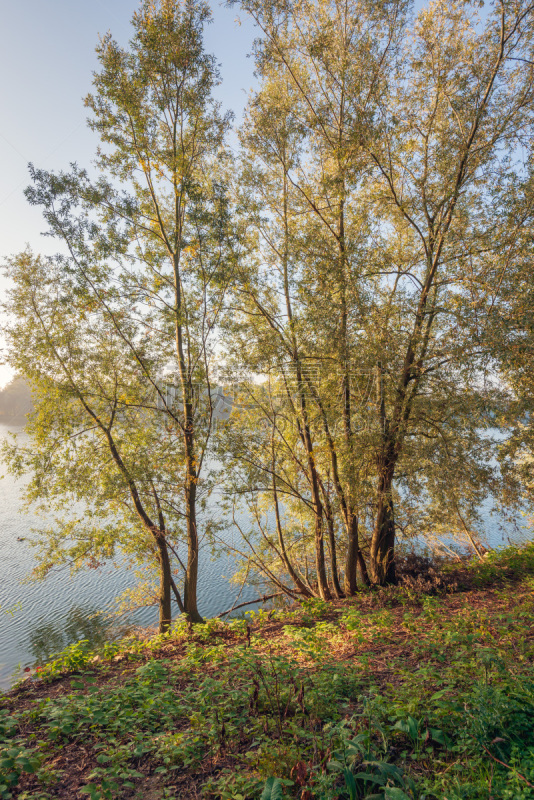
(394, 793)
(350, 783)
(368, 776)
(336, 765)
(272, 789)
(439, 736)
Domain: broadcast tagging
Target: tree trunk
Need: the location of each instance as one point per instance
(338, 592)
(349, 507)
(191, 575)
(292, 572)
(165, 575)
(354, 556)
(383, 541)
(322, 580)
(165, 614)
(363, 568)
(351, 563)
(191, 478)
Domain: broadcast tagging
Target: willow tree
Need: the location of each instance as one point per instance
(99, 459)
(450, 126)
(320, 66)
(409, 141)
(147, 243)
(508, 336)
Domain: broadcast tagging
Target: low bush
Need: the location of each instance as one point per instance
(421, 698)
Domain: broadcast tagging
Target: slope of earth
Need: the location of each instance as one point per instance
(406, 693)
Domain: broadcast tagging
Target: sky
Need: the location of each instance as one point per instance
(47, 58)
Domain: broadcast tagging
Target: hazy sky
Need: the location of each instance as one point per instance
(47, 57)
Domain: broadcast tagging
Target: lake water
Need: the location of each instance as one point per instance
(40, 618)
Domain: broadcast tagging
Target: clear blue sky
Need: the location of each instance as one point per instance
(47, 57)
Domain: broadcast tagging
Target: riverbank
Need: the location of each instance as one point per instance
(422, 691)
(38, 618)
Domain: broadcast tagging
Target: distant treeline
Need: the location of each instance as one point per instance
(15, 399)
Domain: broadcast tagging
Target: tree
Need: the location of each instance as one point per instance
(153, 258)
(508, 339)
(303, 162)
(462, 101)
(404, 146)
(93, 436)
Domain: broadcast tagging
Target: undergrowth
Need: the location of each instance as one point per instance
(392, 695)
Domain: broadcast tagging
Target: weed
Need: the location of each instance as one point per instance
(398, 694)
(14, 760)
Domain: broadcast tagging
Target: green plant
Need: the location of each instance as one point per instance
(14, 760)
(272, 790)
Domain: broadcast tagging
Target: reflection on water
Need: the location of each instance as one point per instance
(81, 622)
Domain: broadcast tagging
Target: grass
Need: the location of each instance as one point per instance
(394, 694)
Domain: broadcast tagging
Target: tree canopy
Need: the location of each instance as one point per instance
(359, 274)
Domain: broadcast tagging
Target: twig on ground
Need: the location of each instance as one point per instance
(504, 764)
(249, 603)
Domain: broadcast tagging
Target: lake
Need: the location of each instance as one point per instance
(40, 618)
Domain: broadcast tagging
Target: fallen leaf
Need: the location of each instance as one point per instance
(299, 772)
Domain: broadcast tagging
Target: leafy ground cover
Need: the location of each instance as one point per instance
(398, 693)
